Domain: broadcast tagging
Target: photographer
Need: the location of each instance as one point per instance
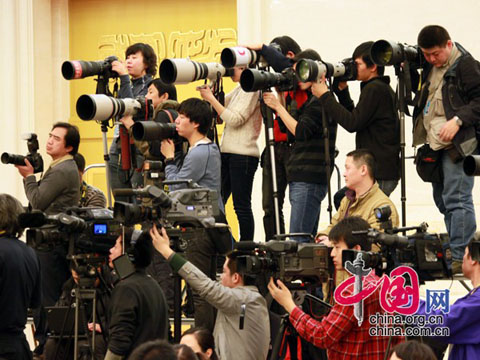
(279, 60)
(58, 189)
(140, 65)
(228, 298)
(202, 165)
(19, 282)
(445, 119)
(464, 316)
(240, 153)
(339, 331)
(164, 101)
(138, 309)
(307, 178)
(374, 119)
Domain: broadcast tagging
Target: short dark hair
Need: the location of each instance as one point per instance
(149, 56)
(154, 350)
(431, 36)
(10, 209)
(343, 231)
(80, 161)
(138, 245)
(307, 54)
(413, 350)
(184, 352)
(287, 44)
(72, 137)
(204, 339)
(363, 51)
(163, 88)
(199, 112)
(364, 157)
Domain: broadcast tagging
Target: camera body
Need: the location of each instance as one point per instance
(84, 230)
(286, 260)
(428, 253)
(33, 156)
(312, 70)
(386, 53)
(79, 69)
(255, 80)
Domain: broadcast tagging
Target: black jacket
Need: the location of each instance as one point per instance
(460, 96)
(307, 160)
(137, 313)
(374, 120)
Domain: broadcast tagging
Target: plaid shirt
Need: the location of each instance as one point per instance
(339, 332)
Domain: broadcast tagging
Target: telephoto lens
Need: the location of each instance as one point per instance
(184, 71)
(238, 56)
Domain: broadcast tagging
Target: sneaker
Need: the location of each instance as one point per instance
(457, 267)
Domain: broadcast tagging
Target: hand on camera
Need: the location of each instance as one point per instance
(319, 88)
(119, 67)
(256, 47)
(167, 148)
(323, 239)
(205, 92)
(271, 101)
(25, 170)
(281, 294)
(160, 241)
(127, 121)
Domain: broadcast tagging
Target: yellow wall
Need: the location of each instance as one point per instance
(197, 29)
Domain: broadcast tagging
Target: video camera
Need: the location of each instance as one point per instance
(85, 230)
(312, 70)
(102, 107)
(286, 260)
(184, 71)
(254, 80)
(33, 155)
(429, 254)
(79, 69)
(385, 53)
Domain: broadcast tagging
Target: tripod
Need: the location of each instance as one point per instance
(287, 337)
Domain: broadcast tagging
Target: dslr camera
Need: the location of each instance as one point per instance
(33, 155)
(79, 69)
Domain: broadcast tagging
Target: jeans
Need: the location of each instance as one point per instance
(282, 154)
(305, 199)
(453, 198)
(237, 180)
(119, 179)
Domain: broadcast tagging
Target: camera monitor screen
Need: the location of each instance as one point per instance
(100, 229)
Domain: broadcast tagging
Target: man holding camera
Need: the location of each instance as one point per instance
(58, 190)
(202, 165)
(445, 118)
(138, 311)
(307, 178)
(339, 331)
(59, 187)
(19, 282)
(374, 119)
(242, 328)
